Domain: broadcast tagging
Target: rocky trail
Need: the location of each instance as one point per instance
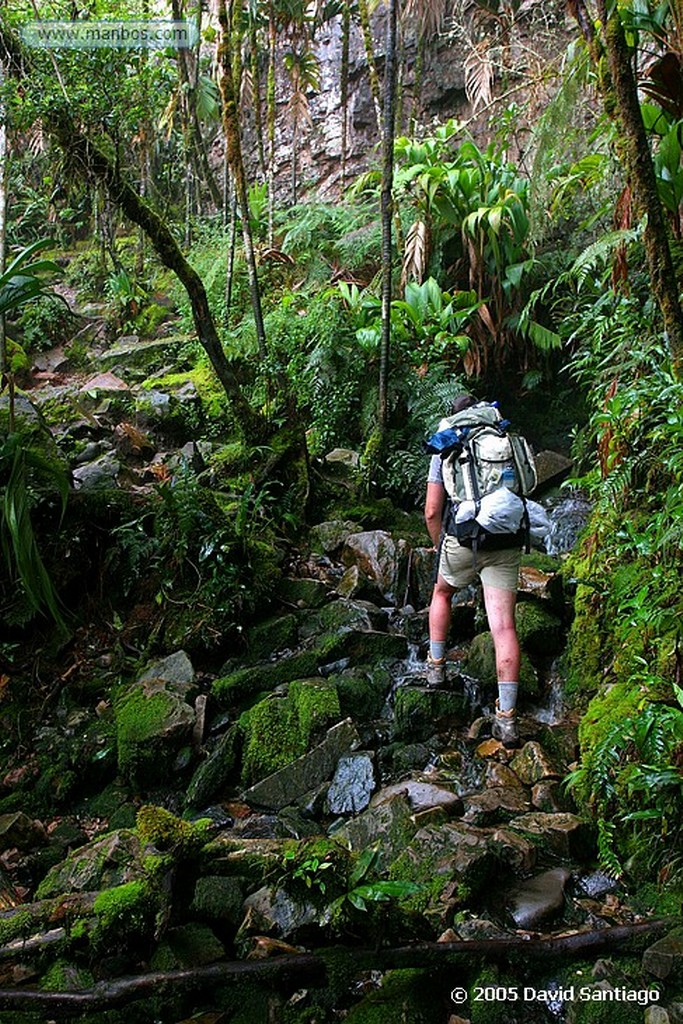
(306, 832)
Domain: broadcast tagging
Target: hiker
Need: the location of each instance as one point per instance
(497, 567)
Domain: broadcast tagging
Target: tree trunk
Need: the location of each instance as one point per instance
(270, 117)
(620, 96)
(234, 147)
(344, 86)
(4, 175)
(387, 205)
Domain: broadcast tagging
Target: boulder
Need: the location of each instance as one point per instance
(664, 959)
(352, 785)
(292, 782)
(539, 632)
(419, 711)
(274, 912)
(421, 796)
(480, 662)
(104, 863)
(562, 835)
(20, 831)
(331, 536)
(538, 899)
(174, 673)
(531, 764)
(212, 775)
(495, 804)
(390, 825)
(379, 557)
(455, 850)
(101, 474)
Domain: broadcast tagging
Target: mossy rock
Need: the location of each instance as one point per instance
(190, 945)
(277, 730)
(539, 632)
(164, 831)
(612, 705)
(246, 683)
(480, 662)
(213, 774)
(64, 976)
(404, 995)
(274, 634)
(305, 593)
(363, 694)
(150, 729)
(218, 899)
(125, 914)
(106, 862)
(419, 712)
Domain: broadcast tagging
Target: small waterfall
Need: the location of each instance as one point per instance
(568, 513)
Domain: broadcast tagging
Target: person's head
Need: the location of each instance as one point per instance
(463, 401)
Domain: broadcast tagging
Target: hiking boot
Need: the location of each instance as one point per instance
(505, 729)
(436, 671)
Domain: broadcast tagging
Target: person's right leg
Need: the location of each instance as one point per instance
(439, 623)
(500, 598)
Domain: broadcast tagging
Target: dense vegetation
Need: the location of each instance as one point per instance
(536, 285)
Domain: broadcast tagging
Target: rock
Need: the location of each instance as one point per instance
(104, 382)
(419, 711)
(539, 898)
(498, 774)
(664, 959)
(352, 785)
(290, 783)
(250, 859)
(274, 911)
(362, 694)
(514, 850)
(531, 764)
(548, 796)
(551, 468)
(390, 825)
(98, 475)
(20, 831)
(378, 557)
(563, 835)
(174, 673)
(101, 864)
(538, 630)
(596, 884)
(343, 462)
(656, 1015)
(495, 804)
(218, 899)
(480, 928)
(152, 724)
(306, 593)
(274, 634)
(187, 946)
(363, 616)
(480, 662)
(421, 796)
(455, 850)
(213, 774)
(422, 576)
(330, 537)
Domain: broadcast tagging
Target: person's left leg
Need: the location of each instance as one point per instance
(439, 624)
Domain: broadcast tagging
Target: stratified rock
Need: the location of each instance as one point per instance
(538, 899)
(273, 911)
(331, 536)
(213, 774)
(391, 825)
(174, 673)
(292, 782)
(514, 850)
(352, 785)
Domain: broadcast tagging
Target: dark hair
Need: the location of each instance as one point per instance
(462, 402)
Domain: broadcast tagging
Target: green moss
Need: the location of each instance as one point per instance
(63, 976)
(125, 912)
(404, 995)
(210, 391)
(142, 756)
(18, 926)
(274, 634)
(539, 632)
(316, 704)
(418, 711)
(159, 828)
(480, 662)
(189, 946)
(362, 694)
(613, 704)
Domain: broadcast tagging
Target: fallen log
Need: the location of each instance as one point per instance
(310, 968)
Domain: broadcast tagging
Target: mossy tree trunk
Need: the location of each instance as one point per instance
(620, 96)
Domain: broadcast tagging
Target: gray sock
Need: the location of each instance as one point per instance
(507, 696)
(437, 649)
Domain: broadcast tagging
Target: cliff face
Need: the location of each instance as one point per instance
(515, 52)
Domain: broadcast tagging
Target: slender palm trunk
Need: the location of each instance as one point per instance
(254, 61)
(4, 174)
(387, 206)
(270, 116)
(344, 75)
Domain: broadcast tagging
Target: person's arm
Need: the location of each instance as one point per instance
(434, 506)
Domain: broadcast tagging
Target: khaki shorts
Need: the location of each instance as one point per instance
(498, 569)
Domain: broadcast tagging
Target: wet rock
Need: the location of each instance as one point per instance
(294, 823)
(355, 585)
(531, 764)
(422, 576)
(104, 382)
(419, 711)
(421, 796)
(331, 536)
(379, 557)
(213, 774)
(218, 899)
(563, 835)
(596, 884)
(352, 785)
(664, 959)
(347, 614)
(20, 831)
(251, 859)
(495, 804)
(498, 774)
(515, 850)
(551, 467)
(539, 898)
(306, 772)
(391, 825)
(101, 864)
(405, 758)
(480, 928)
(548, 796)
(362, 694)
(275, 912)
(98, 475)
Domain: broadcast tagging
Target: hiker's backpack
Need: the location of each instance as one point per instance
(479, 457)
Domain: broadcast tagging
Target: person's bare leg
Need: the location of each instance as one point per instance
(439, 624)
(500, 610)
